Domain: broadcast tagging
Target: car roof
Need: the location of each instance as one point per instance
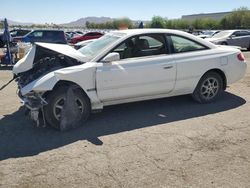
(48, 30)
(132, 32)
(148, 31)
(233, 30)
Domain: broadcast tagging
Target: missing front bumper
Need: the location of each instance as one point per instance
(34, 102)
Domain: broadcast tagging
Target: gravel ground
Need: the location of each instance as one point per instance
(171, 142)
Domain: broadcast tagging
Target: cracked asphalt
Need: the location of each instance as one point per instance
(172, 142)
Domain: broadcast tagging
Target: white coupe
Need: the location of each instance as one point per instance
(61, 85)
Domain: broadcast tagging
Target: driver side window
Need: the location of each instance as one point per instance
(141, 46)
(36, 34)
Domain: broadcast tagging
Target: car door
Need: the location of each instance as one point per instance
(192, 60)
(35, 36)
(236, 39)
(148, 70)
(50, 36)
(244, 39)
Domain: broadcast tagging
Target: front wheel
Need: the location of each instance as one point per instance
(66, 109)
(209, 88)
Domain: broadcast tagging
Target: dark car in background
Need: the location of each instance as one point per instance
(48, 36)
(19, 32)
(14, 33)
(239, 38)
(87, 36)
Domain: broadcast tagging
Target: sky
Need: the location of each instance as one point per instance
(64, 11)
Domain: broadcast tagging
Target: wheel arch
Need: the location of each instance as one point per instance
(221, 73)
(66, 83)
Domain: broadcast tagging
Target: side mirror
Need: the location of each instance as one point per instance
(114, 56)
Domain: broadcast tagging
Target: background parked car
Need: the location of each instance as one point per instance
(232, 37)
(208, 34)
(14, 33)
(87, 36)
(73, 34)
(49, 36)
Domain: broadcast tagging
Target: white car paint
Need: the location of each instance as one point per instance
(140, 78)
(26, 63)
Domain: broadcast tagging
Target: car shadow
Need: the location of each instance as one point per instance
(19, 137)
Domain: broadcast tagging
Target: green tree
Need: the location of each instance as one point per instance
(210, 24)
(238, 19)
(245, 22)
(158, 22)
(180, 24)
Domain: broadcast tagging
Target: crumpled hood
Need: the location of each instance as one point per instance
(26, 63)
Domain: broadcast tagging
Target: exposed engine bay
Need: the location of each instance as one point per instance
(38, 62)
(45, 61)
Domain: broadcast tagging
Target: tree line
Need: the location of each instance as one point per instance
(238, 19)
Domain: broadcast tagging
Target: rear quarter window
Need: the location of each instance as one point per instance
(181, 44)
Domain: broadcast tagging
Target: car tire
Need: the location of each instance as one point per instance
(224, 43)
(57, 98)
(209, 88)
(248, 48)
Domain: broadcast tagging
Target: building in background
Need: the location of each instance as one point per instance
(214, 16)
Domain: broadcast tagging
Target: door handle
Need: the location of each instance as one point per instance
(168, 67)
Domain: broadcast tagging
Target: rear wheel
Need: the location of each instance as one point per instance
(209, 88)
(56, 103)
(224, 43)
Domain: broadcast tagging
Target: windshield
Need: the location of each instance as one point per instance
(222, 34)
(94, 48)
(208, 32)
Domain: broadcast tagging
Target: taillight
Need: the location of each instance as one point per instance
(241, 57)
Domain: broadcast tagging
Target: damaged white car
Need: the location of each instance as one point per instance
(61, 85)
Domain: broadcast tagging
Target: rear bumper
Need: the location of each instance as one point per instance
(237, 72)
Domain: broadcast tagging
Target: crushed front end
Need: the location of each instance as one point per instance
(36, 68)
(34, 103)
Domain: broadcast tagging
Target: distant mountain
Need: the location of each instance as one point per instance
(78, 23)
(11, 22)
(82, 21)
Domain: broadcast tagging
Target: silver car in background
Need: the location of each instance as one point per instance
(239, 38)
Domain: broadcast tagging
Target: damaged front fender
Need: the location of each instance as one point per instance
(82, 75)
(45, 83)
